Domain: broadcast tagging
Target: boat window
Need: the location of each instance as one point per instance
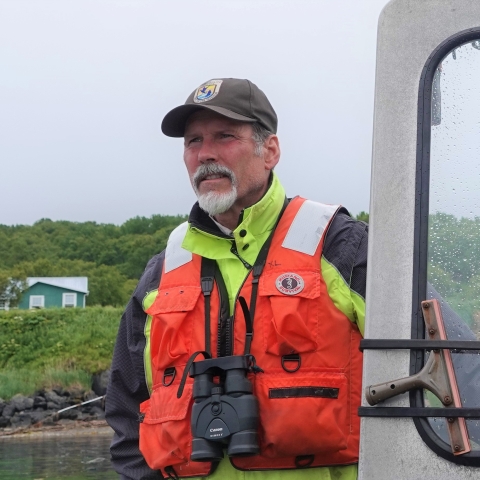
(453, 269)
(448, 224)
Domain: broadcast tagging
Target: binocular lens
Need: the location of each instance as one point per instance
(243, 444)
(206, 450)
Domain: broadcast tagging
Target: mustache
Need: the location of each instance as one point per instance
(203, 171)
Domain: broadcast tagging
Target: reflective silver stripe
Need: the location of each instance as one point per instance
(308, 226)
(175, 255)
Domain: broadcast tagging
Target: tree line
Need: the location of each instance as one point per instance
(112, 257)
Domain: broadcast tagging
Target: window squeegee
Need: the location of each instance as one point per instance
(437, 376)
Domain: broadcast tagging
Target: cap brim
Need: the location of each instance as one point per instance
(174, 122)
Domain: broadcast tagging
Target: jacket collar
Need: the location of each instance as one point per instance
(204, 238)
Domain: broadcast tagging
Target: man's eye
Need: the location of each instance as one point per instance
(194, 140)
(226, 135)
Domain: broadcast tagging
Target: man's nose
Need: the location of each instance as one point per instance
(207, 152)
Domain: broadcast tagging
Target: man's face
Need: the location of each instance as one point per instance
(220, 158)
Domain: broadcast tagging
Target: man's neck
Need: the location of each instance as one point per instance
(233, 216)
(229, 219)
(225, 230)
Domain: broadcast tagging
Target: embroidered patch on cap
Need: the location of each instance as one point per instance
(289, 283)
(207, 91)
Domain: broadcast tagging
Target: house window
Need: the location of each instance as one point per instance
(37, 301)
(3, 305)
(69, 300)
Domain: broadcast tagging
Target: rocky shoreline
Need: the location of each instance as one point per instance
(49, 409)
(55, 409)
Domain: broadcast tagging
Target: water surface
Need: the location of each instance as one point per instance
(67, 456)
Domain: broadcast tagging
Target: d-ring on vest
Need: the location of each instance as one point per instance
(308, 350)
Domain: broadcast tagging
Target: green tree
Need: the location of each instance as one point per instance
(363, 216)
(107, 286)
(442, 281)
(11, 287)
(112, 257)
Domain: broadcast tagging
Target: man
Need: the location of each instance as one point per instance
(251, 273)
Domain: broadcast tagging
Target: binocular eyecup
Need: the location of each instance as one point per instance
(242, 444)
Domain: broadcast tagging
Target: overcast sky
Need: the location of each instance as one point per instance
(84, 86)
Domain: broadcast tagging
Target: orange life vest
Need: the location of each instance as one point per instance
(294, 317)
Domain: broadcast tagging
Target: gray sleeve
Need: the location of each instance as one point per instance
(346, 245)
(127, 387)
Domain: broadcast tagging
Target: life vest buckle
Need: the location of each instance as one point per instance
(293, 357)
(304, 461)
(170, 471)
(169, 376)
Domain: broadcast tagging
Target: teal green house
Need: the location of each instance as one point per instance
(63, 292)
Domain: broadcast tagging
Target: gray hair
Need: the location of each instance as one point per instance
(259, 135)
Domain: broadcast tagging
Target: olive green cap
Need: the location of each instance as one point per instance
(233, 98)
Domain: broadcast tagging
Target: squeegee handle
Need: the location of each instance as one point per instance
(431, 377)
(377, 393)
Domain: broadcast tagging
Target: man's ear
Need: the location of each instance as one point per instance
(271, 154)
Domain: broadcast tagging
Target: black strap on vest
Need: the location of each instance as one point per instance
(208, 271)
(258, 267)
(257, 270)
(248, 324)
(192, 358)
(170, 471)
(207, 275)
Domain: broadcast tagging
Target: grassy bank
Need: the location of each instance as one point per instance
(50, 347)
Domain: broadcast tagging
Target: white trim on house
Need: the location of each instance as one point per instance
(69, 299)
(36, 301)
(78, 284)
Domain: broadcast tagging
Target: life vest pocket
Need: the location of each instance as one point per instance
(172, 324)
(290, 325)
(303, 414)
(165, 435)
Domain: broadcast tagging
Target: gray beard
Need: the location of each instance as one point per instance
(213, 202)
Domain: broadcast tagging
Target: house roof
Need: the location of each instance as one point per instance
(78, 284)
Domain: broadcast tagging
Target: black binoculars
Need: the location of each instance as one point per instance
(224, 413)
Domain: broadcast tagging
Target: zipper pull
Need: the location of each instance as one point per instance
(235, 252)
